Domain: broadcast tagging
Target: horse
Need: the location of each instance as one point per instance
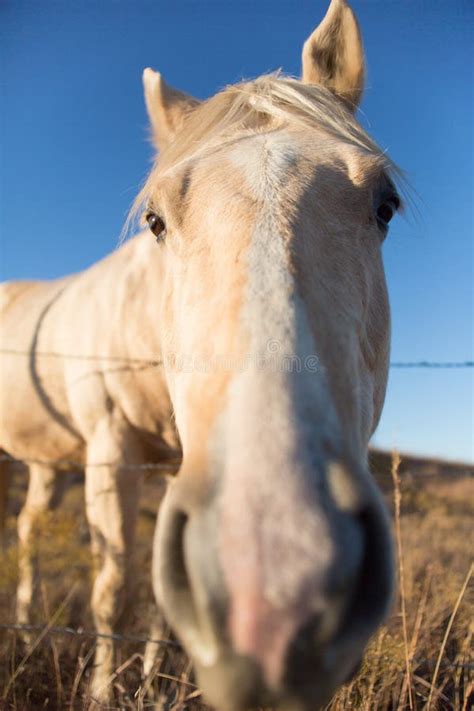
(246, 329)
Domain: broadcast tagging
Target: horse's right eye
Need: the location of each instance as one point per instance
(156, 225)
(386, 210)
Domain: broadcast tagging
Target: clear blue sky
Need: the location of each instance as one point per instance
(74, 151)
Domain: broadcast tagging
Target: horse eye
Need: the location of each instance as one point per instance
(386, 211)
(156, 225)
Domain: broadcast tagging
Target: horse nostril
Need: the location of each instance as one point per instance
(182, 583)
(170, 569)
(177, 572)
(331, 643)
(376, 579)
(373, 586)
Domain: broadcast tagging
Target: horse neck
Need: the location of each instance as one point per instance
(141, 296)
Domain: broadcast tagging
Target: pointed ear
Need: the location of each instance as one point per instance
(333, 56)
(167, 108)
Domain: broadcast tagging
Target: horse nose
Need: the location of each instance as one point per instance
(305, 646)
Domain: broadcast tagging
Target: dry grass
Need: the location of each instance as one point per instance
(419, 661)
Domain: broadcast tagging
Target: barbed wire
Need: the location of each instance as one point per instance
(57, 630)
(153, 362)
(168, 466)
(157, 362)
(46, 629)
(433, 364)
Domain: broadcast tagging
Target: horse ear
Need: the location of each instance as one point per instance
(167, 108)
(333, 56)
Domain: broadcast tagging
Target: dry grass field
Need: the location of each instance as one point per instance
(421, 659)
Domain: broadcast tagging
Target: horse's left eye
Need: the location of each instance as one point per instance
(156, 225)
(386, 211)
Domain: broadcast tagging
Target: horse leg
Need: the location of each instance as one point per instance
(5, 479)
(154, 651)
(45, 490)
(112, 494)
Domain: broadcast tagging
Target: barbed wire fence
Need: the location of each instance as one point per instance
(80, 632)
(156, 362)
(169, 466)
(432, 364)
(45, 629)
(68, 464)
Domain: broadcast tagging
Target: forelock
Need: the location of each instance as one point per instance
(270, 102)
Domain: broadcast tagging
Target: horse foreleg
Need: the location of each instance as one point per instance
(5, 479)
(112, 494)
(45, 489)
(155, 651)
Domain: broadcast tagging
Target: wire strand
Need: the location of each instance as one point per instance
(70, 631)
(153, 362)
(168, 466)
(87, 633)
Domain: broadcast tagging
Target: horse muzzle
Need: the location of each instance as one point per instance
(275, 625)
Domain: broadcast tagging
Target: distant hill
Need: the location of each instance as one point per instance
(415, 467)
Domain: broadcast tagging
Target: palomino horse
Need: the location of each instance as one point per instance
(265, 301)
